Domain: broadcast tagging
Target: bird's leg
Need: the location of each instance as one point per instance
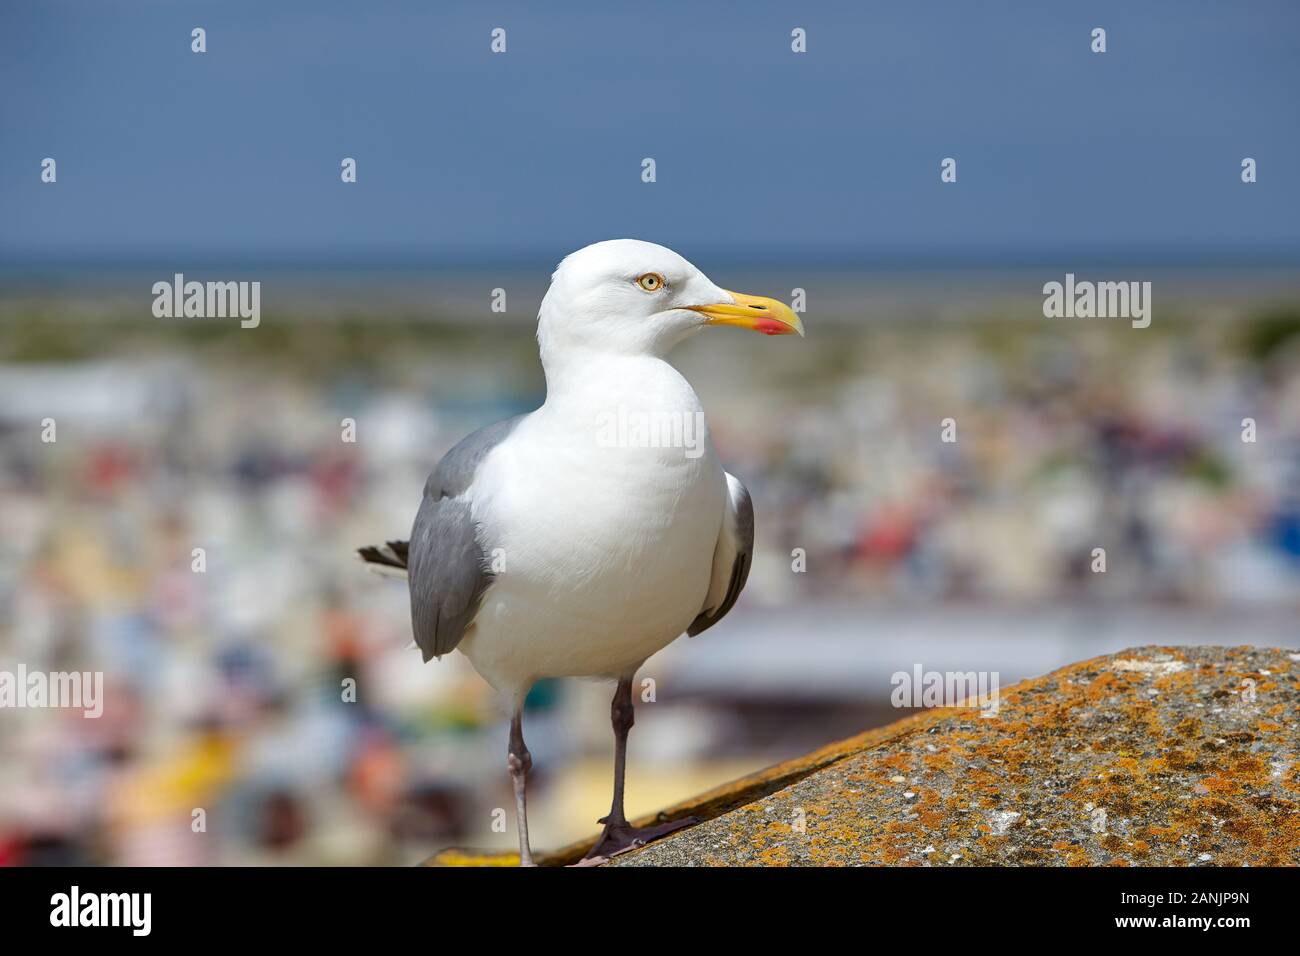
(520, 761)
(622, 716)
(620, 836)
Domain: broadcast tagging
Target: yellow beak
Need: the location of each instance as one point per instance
(753, 312)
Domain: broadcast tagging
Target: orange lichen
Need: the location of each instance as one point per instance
(1082, 767)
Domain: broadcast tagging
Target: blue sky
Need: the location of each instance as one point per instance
(761, 153)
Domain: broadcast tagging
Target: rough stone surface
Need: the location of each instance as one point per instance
(1154, 756)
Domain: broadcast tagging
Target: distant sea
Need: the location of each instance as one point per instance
(945, 283)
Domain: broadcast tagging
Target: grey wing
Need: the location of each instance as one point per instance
(731, 558)
(447, 563)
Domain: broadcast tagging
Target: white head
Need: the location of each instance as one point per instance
(629, 297)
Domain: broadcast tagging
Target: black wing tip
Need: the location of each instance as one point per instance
(373, 555)
(739, 575)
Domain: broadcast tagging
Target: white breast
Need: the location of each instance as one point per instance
(603, 544)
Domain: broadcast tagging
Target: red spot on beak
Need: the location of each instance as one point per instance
(769, 327)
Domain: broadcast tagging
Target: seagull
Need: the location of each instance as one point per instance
(579, 539)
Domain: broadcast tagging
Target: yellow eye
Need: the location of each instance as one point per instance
(651, 281)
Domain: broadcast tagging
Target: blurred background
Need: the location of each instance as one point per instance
(477, 171)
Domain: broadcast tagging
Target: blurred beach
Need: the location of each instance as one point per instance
(224, 685)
